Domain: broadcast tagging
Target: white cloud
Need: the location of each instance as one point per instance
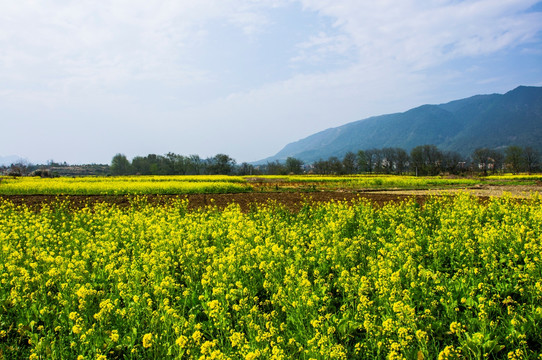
(322, 48)
(58, 47)
(424, 34)
(163, 68)
(52, 44)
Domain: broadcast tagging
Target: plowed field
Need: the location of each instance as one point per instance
(291, 200)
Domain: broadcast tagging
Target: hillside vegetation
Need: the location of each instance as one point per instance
(482, 121)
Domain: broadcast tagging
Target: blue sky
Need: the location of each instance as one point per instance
(82, 81)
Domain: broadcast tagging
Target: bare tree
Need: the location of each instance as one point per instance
(531, 158)
(18, 169)
(402, 160)
(294, 166)
(349, 163)
(426, 160)
(361, 161)
(514, 158)
(483, 160)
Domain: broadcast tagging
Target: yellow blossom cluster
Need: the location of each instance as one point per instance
(454, 278)
(186, 184)
(124, 185)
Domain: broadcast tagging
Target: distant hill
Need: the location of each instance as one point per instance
(11, 159)
(493, 121)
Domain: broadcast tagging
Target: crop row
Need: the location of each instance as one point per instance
(209, 184)
(123, 185)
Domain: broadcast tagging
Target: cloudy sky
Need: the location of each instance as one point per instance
(83, 80)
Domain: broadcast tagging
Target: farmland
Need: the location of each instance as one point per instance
(99, 274)
(135, 185)
(214, 184)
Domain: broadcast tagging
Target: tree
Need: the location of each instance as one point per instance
(141, 165)
(402, 160)
(246, 169)
(361, 161)
(426, 160)
(389, 159)
(221, 164)
(321, 167)
(498, 160)
(481, 159)
(180, 164)
(371, 159)
(487, 159)
(531, 158)
(452, 162)
(377, 160)
(120, 165)
(275, 168)
(195, 165)
(330, 166)
(335, 165)
(294, 166)
(514, 158)
(18, 169)
(349, 163)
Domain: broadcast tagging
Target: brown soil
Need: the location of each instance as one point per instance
(291, 200)
(482, 190)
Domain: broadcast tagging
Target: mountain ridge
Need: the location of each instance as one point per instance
(493, 120)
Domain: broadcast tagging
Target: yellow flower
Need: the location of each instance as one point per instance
(455, 327)
(76, 329)
(236, 339)
(196, 336)
(252, 355)
(449, 352)
(515, 355)
(421, 335)
(114, 336)
(147, 340)
(182, 341)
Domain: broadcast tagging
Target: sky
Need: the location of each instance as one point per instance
(81, 81)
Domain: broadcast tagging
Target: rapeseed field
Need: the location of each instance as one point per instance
(454, 278)
(212, 184)
(123, 185)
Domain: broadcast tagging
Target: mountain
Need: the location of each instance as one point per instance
(493, 121)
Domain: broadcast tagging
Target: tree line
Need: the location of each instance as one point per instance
(220, 164)
(429, 160)
(421, 160)
(173, 164)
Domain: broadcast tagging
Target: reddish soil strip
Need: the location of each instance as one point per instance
(291, 200)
